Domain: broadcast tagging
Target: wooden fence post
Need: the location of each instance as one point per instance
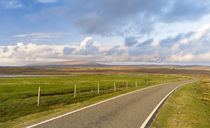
(98, 88)
(114, 86)
(147, 82)
(39, 93)
(136, 84)
(75, 90)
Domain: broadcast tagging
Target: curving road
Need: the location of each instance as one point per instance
(126, 111)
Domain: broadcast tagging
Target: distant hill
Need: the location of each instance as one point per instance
(67, 64)
(89, 67)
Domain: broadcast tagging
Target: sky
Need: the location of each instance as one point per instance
(105, 31)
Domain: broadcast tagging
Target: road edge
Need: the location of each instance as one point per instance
(148, 120)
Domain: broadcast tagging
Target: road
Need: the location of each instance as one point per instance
(127, 111)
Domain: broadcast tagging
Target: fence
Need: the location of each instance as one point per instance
(117, 86)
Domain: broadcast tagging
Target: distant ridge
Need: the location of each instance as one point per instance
(67, 64)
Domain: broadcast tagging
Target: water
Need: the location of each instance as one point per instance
(32, 75)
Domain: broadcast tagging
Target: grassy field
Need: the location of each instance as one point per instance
(18, 96)
(188, 107)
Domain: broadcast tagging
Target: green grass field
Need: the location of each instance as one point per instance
(188, 107)
(18, 95)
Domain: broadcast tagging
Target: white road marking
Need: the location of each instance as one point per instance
(157, 107)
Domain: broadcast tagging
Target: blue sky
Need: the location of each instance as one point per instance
(107, 31)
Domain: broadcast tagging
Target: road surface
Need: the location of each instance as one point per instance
(127, 111)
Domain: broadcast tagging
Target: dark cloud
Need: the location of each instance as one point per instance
(142, 49)
(107, 17)
(115, 50)
(122, 17)
(184, 10)
(67, 50)
(129, 41)
(169, 41)
(189, 34)
(146, 42)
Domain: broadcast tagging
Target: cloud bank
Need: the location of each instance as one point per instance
(185, 48)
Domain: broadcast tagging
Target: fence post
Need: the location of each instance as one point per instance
(147, 82)
(114, 86)
(136, 84)
(75, 90)
(126, 84)
(39, 93)
(98, 88)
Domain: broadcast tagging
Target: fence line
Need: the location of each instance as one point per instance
(98, 88)
(114, 86)
(39, 93)
(75, 90)
(135, 84)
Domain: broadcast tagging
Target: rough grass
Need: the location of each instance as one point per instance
(188, 107)
(18, 96)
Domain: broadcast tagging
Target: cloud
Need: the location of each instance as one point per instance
(88, 49)
(189, 58)
(116, 50)
(169, 41)
(88, 46)
(146, 42)
(126, 18)
(182, 58)
(11, 4)
(118, 15)
(38, 38)
(185, 48)
(188, 10)
(47, 1)
(129, 41)
(39, 35)
(155, 43)
(68, 50)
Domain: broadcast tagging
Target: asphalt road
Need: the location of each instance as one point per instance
(128, 111)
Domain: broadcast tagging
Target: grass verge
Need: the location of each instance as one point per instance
(188, 107)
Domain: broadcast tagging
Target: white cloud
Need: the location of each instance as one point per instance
(190, 58)
(155, 43)
(39, 35)
(46, 1)
(11, 4)
(29, 53)
(182, 58)
(202, 31)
